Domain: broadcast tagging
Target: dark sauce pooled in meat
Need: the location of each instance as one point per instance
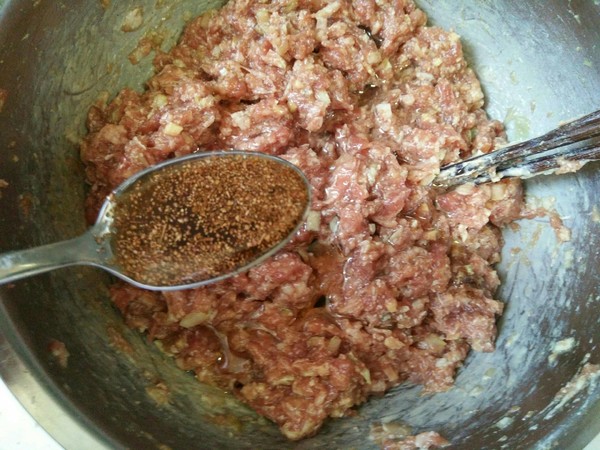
(205, 218)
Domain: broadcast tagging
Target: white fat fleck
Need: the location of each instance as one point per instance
(407, 99)
(511, 339)
(241, 119)
(333, 225)
(205, 102)
(547, 202)
(564, 345)
(262, 18)
(371, 172)
(465, 189)
(476, 391)
(517, 125)
(563, 234)
(503, 423)
(560, 347)
(453, 37)
(425, 77)
(463, 232)
(383, 113)
(595, 214)
(323, 97)
(442, 362)
(133, 20)
(518, 172)
(196, 318)
(528, 415)
(313, 221)
(489, 374)
(329, 10)
(568, 258)
(173, 129)
(374, 58)
(159, 101)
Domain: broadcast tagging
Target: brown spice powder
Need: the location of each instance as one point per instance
(204, 218)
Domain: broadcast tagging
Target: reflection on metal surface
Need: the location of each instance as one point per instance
(18, 429)
(36, 396)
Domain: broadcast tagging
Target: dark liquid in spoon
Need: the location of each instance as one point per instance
(205, 218)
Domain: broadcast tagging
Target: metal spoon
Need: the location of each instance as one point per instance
(96, 247)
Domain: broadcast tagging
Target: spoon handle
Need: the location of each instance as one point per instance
(525, 159)
(24, 263)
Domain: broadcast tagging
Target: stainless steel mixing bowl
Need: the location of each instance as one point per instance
(539, 63)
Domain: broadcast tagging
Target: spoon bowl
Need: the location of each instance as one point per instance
(99, 245)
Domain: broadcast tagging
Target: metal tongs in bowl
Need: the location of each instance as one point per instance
(553, 152)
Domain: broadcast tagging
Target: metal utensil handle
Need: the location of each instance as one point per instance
(584, 128)
(24, 263)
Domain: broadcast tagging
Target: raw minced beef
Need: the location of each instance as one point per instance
(390, 280)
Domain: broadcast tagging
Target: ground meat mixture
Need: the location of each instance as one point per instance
(389, 280)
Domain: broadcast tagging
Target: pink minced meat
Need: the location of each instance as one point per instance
(389, 280)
